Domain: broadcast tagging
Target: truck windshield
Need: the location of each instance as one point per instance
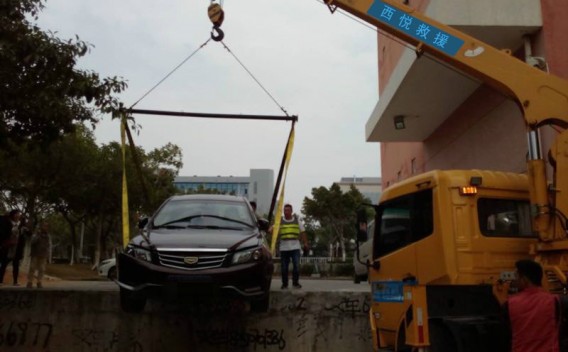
(403, 221)
(504, 218)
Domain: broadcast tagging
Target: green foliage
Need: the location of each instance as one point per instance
(42, 94)
(331, 214)
(306, 269)
(81, 181)
(343, 269)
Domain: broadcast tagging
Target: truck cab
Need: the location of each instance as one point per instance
(453, 233)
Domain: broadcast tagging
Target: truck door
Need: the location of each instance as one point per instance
(400, 223)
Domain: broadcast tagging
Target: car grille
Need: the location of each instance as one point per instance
(192, 260)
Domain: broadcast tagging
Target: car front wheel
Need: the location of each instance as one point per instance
(112, 274)
(131, 303)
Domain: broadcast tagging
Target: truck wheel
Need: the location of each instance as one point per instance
(260, 305)
(131, 303)
(401, 345)
(441, 338)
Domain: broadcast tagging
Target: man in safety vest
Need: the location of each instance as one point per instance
(291, 232)
(532, 314)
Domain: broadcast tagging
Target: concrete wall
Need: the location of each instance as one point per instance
(32, 320)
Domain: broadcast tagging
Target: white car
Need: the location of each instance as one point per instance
(361, 272)
(107, 268)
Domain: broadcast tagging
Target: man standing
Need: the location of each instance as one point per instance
(40, 248)
(290, 233)
(9, 231)
(533, 313)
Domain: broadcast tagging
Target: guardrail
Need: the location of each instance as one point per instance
(319, 260)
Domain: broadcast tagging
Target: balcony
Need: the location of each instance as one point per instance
(426, 92)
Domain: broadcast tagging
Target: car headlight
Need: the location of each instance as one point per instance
(246, 256)
(139, 253)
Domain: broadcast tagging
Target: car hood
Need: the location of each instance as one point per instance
(202, 238)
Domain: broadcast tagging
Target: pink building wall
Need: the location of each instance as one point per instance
(486, 131)
(397, 158)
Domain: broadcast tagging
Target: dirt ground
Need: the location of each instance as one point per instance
(73, 272)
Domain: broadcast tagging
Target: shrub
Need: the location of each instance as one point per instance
(306, 269)
(343, 269)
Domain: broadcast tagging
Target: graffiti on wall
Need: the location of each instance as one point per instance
(18, 334)
(17, 301)
(251, 338)
(97, 340)
(313, 320)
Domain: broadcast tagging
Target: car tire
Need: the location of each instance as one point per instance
(131, 303)
(112, 273)
(260, 305)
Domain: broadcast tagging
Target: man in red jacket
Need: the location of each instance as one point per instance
(532, 314)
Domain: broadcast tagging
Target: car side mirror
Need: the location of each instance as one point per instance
(142, 223)
(362, 235)
(263, 224)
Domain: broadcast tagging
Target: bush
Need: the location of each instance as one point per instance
(344, 269)
(306, 269)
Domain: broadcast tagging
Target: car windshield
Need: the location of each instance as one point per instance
(201, 213)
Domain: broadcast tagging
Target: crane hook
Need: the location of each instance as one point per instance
(217, 34)
(216, 15)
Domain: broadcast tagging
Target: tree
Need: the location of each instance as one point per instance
(81, 182)
(332, 213)
(42, 94)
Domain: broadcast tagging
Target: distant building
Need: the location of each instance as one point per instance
(370, 187)
(258, 186)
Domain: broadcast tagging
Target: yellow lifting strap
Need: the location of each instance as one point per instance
(278, 216)
(125, 217)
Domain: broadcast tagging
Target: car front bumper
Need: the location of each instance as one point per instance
(145, 278)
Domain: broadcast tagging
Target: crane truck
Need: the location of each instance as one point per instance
(457, 231)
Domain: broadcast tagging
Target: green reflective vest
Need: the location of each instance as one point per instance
(289, 230)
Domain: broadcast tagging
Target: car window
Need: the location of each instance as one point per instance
(204, 213)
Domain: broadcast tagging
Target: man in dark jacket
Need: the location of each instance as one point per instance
(24, 234)
(9, 231)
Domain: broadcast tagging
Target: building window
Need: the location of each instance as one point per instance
(255, 187)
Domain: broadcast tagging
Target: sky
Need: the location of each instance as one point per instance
(316, 65)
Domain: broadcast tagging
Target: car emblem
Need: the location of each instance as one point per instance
(190, 260)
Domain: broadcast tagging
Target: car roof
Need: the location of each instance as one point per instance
(222, 197)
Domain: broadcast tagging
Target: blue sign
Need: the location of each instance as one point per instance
(417, 29)
(388, 291)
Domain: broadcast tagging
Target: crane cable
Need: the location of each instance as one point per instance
(216, 16)
(255, 79)
(170, 73)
